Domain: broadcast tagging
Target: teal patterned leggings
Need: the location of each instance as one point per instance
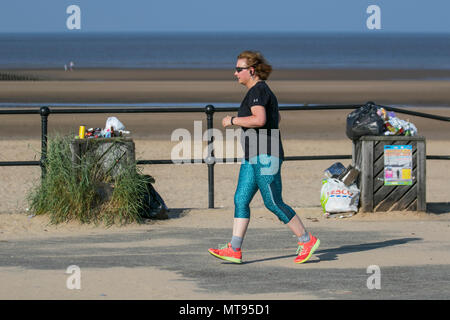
(262, 172)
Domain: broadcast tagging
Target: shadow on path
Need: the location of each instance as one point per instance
(438, 207)
(333, 253)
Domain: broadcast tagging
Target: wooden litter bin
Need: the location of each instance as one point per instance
(111, 153)
(385, 182)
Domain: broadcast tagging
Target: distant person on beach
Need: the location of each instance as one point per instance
(65, 67)
(259, 116)
(71, 64)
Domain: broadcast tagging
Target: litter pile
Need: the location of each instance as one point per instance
(396, 126)
(339, 193)
(113, 128)
(374, 120)
(117, 184)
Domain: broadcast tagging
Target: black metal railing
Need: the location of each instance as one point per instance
(44, 112)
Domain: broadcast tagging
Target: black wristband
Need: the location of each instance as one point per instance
(232, 121)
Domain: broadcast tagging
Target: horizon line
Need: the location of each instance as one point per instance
(373, 32)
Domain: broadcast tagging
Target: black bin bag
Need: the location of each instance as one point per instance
(153, 206)
(364, 122)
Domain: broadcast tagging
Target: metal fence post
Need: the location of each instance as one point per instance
(210, 160)
(44, 112)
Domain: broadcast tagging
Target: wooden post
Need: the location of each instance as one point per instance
(366, 176)
(421, 176)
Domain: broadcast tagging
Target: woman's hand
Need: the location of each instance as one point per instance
(226, 122)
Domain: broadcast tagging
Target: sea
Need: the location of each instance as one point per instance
(207, 50)
(219, 50)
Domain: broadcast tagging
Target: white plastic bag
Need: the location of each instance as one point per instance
(336, 197)
(115, 123)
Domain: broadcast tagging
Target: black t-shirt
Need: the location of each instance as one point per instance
(265, 139)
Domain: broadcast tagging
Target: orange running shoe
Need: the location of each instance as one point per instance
(227, 253)
(306, 249)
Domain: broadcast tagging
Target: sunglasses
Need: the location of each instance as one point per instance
(239, 69)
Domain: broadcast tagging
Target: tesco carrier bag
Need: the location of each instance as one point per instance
(336, 197)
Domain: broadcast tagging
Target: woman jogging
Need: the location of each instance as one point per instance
(259, 116)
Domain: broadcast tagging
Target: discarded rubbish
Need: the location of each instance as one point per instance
(373, 120)
(396, 126)
(335, 170)
(364, 121)
(114, 123)
(153, 206)
(336, 197)
(339, 191)
(82, 132)
(113, 128)
(338, 215)
(349, 176)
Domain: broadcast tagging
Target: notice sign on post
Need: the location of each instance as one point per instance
(397, 165)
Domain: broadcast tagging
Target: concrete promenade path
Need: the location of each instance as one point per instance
(367, 256)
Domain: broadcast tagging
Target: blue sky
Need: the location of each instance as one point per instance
(225, 15)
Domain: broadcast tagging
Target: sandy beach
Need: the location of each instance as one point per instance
(417, 87)
(184, 187)
(304, 132)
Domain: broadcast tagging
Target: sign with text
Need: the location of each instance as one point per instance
(397, 165)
